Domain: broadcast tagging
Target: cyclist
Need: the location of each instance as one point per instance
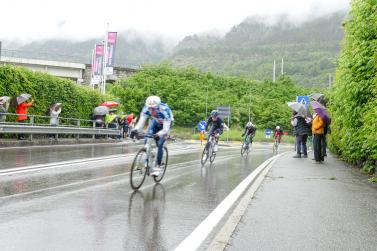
(278, 133)
(250, 129)
(217, 126)
(162, 118)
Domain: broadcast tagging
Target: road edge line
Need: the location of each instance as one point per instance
(202, 231)
(221, 240)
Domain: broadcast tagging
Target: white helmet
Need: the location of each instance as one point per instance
(277, 127)
(153, 101)
(249, 124)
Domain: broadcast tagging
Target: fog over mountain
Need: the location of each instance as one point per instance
(309, 48)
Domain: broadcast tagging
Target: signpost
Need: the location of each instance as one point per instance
(224, 112)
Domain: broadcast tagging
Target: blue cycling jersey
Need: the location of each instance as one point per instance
(161, 114)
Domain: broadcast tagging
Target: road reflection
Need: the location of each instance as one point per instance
(145, 215)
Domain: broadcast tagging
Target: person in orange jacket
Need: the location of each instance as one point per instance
(22, 115)
(318, 130)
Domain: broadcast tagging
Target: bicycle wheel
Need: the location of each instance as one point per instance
(244, 147)
(205, 154)
(212, 154)
(138, 169)
(164, 165)
(275, 147)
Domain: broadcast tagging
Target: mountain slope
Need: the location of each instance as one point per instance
(248, 49)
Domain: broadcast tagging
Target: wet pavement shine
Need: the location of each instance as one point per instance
(90, 205)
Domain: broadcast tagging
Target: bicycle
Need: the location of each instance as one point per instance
(275, 146)
(209, 151)
(245, 148)
(143, 162)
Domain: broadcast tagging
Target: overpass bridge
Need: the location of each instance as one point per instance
(80, 73)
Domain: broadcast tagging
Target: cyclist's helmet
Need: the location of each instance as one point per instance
(249, 124)
(277, 127)
(153, 101)
(214, 113)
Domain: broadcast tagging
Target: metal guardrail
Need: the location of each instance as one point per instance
(70, 126)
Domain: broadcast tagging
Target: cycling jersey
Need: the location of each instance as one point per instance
(278, 133)
(162, 116)
(217, 126)
(249, 130)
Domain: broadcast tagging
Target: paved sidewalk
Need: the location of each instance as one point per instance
(305, 206)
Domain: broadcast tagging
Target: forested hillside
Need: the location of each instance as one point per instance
(309, 50)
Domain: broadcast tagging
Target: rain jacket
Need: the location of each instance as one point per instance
(22, 111)
(318, 126)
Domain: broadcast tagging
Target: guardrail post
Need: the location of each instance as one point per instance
(57, 124)
(32, 123)
(78, 125)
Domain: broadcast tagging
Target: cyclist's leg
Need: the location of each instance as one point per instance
(160, 152)
(210, 133)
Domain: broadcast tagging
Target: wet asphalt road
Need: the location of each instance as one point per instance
(90, 205)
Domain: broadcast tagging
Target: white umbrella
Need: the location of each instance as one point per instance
(298, 107)
(23, 97)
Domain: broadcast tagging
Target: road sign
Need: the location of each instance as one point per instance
(224, 111)
(303, 99)
(202, 126)
(268, 133)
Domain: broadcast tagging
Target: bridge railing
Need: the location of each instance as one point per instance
(41, 125)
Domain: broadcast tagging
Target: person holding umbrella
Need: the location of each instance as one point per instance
(55, 110)
(4, 105)
(301, 128)
(320, 119)
(21, 110)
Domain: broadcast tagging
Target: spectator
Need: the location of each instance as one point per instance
(301, 131)
(318, 136)
(22, 115)
(4, 105)
(54, 114)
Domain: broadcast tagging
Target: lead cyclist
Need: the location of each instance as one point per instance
(160, 125)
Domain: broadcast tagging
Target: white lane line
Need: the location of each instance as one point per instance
(123, 157)
(224, 235)
(201, 232)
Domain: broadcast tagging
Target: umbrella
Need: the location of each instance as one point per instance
(321, 111)
(109, 104)
(22, 98)
(4, 101)
(101, 110)
(298, 107)
(317, 96)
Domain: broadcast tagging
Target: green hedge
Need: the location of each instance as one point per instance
(184, 90)
(354, 94)
(78, 101)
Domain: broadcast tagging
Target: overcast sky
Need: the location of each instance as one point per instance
(27, 20)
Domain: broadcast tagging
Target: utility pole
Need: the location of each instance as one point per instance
(206, 102)
(273, 75)
(250, 107)
(282, 66)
